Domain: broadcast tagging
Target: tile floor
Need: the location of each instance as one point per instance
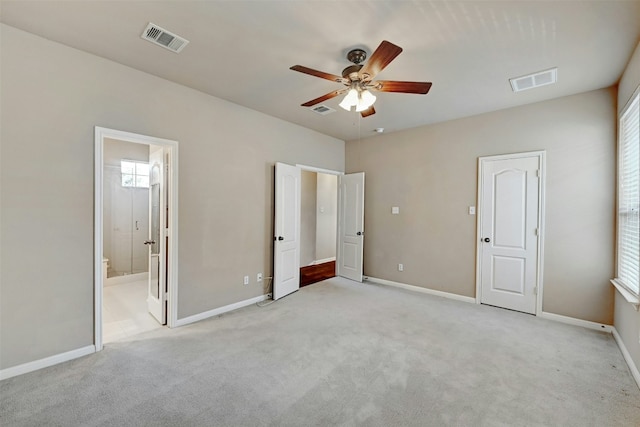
(124, 311)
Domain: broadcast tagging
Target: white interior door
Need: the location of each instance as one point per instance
(509, 225)
(157, 242)
(286, 250)
(351, 225)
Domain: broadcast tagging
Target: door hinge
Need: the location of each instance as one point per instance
(535, 231)
(535, 290)
(538, 173)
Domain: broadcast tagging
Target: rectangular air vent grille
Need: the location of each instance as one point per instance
(530, 81)
(164, 38)
(323, 110)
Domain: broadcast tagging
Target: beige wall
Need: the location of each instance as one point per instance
(326, 216)
(626, 319)
(52, 97)
(308, 198)
(431, 174)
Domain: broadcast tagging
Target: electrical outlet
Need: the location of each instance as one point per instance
(259, 277)
(400, 267)
(246, 280)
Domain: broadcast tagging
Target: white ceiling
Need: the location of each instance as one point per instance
(241, 51)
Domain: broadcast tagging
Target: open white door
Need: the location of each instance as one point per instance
(509, 231)
(157, 242)
(286, 248)
(351, 225)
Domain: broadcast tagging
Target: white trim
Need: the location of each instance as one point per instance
(420, 289)
(576, 322)
(626, 294)
(542, 162)
(46, 362)
(220, 310)
(627, 357)
(322, 261)
(318, 170)
(629, 102)
(172, 297)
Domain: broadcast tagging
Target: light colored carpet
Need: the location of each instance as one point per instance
(339, 353)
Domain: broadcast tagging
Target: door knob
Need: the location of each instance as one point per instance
(149, 242)
(360, 233)
(280, 238)
(486, 239)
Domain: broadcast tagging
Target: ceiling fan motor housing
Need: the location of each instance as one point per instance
(350, 70)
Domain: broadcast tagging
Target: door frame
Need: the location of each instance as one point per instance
(100, 134)
(541, 155)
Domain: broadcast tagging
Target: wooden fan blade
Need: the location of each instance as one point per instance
(368, 112)
(324, 98)
(384, 54)
(403, 87)
(316, 73)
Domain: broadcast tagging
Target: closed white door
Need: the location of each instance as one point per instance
(157, 241)
(351, 225)
(286, 251)
(509, 225)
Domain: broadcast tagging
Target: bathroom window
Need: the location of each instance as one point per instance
(134, 174)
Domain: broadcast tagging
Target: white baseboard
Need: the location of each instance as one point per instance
(46, 362)
(322, 261)
(627, 357)
(422, 290)
(576, 322)
(221, 310)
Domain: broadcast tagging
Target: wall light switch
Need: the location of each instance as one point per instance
(472, 210)
(395, 210)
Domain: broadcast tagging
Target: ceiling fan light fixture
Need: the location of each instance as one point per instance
(367, 99)
(350, 100)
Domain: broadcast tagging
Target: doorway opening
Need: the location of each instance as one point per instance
(287, 235)
(318, 226)
(135, 234)
(125, 228)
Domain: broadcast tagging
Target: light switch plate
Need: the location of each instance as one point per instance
(472, 210)
(395, 210)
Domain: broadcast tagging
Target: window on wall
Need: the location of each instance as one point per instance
(134, 174)
(628, 271)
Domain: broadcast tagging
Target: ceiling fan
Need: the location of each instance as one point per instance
(359, 82)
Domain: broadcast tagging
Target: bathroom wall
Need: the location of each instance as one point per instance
(125, 213)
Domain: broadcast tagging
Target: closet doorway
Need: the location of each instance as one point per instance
(318, 226)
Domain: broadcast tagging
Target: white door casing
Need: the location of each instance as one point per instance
(157, 295)
(510, 199)
(350, 225)
(100, 136)
(286, 247)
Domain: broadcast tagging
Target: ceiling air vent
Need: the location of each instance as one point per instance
(530, 81)
(323, 110)
(164, 38)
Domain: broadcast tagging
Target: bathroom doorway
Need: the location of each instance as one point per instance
(136, 212)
